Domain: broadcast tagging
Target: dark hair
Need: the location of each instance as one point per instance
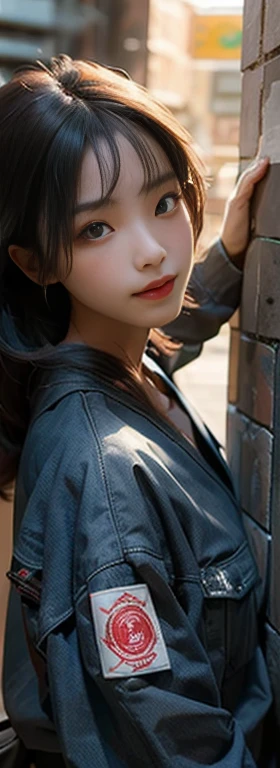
(49, 116)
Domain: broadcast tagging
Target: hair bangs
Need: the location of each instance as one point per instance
(58, 195)
(59, 189)
(109, 161)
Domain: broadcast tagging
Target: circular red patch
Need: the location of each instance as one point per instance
(130, 632)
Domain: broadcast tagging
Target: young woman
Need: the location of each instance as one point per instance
(136, 589)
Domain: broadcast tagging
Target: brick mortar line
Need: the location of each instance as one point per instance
(262, 59)
(262, 14)
(267, 531)
(250, 418)
(267, 340)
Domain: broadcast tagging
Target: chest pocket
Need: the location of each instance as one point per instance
(230, 613)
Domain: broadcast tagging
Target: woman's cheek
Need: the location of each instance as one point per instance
(89, 277)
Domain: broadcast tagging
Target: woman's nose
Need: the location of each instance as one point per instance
(147, 250)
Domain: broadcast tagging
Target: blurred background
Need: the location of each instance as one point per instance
(187, 53)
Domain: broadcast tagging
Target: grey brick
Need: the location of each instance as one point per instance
(255, 474)
(271, 37)
(256, 380)
(272, 641)
(265, 205)
(251, 32)
(261, 289)
(236, 425)
(250, 289)
(260, 543)
(250, 112)
(233, 365)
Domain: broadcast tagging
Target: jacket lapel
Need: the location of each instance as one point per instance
(210, 441)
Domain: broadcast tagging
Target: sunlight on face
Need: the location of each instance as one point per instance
(141, 235)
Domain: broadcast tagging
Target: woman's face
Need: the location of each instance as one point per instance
(140, 236)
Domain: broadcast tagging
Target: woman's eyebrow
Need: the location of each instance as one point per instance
(158, 181)
(104, 202)
(92, 205)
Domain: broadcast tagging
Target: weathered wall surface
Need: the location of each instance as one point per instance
(254, 386)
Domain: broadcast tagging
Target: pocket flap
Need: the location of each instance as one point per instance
(231, 578)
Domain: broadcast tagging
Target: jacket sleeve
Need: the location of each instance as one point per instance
(167, 718)
(163, 717)
(214, 293)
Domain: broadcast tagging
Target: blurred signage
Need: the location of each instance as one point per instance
(31, 12)
(217, 37)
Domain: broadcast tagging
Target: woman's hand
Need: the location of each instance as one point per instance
(236, 224)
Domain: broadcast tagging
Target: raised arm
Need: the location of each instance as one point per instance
(215, 284)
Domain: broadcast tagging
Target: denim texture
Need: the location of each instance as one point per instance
(110, 496)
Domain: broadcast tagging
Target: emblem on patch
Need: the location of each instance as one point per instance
(128, 634)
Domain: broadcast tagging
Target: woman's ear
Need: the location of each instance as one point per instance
(26, 261)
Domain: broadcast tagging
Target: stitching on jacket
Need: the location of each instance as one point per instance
(167, 431)
(147, 551)
(112, 564)
(22, 557)
(102, 469)
(53, 626)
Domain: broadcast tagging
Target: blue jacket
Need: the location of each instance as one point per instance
(139, 592)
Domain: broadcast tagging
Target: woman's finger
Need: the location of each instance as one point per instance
(251, 176)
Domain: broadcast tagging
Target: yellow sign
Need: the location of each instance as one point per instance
(217, 37)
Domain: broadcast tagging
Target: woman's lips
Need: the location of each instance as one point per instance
(159, 292)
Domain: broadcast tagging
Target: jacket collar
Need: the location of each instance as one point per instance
(57, 382)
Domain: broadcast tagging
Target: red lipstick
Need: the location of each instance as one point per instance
(158, 289)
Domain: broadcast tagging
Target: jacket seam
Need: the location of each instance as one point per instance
(177, 440)
(64, 616)
(147, 551)
(103, 472)
(163, 428)
(20, 556)
(112, 564)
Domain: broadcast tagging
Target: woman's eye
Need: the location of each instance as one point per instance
(167, 204)
(96, 231)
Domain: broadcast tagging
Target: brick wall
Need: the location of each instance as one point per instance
(254, 379)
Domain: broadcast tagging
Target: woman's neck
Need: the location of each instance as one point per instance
(125, 343)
